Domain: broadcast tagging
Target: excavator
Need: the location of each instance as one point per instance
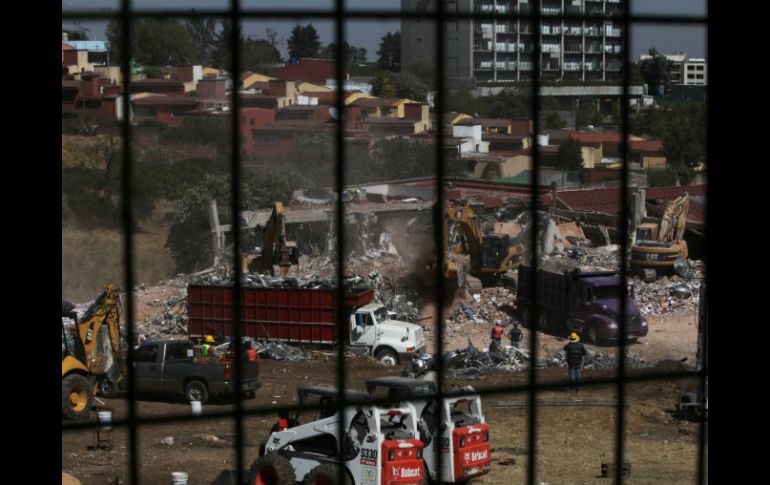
(493, 256)
(91, 354)
(659, 245)
(276, 249)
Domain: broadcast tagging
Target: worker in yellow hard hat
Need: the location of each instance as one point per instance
(575, 352)
(206, 345)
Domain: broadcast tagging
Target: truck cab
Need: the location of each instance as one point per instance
(462, 436)
(387, 340)
(595, 309)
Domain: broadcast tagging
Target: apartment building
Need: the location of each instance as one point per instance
(501, 49)
(685, 70)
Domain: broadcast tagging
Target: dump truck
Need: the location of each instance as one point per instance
(92, 361)
(170, 367)
(584, 302)
(380, 445)
(304, 316)
(462, 436)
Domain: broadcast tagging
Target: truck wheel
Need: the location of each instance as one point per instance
(386, 357)
(272, 469)
(327, 474)
(196, 391)
(107, 388)
(77, 397)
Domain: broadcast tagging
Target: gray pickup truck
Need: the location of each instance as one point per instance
(169, 367)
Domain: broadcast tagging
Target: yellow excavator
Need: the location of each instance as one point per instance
(91, 354)
(276, 249)
(493, 256)
(659, 246)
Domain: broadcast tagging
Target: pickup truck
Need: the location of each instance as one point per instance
(169, 367)
(584, 302)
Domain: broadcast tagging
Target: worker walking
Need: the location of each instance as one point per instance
(497, 333)
(516, 335)
(575, 352)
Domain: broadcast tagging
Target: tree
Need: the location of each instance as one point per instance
(389, 53)
(382, 85)
(353, 54)
(570, 156)
(203, 32)
(222, 45)
(684, 135)
(156, 42)
(409, 85)
(552, 120)
(656, 71)
(661, 177)
(258, 54)
(304, 42)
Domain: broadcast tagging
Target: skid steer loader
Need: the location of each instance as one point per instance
(463, 436)
(381, 446)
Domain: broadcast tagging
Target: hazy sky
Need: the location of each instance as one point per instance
(689, 39)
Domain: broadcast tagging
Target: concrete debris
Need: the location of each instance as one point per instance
(279, 351)
(211, 440)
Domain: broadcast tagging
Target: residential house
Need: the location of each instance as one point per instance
(315, 71)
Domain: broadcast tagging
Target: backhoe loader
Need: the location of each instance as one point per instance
(91, 354)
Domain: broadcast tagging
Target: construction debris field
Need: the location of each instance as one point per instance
(572, 442)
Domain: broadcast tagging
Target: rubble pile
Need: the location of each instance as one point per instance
(279, 351)
(488, 306)
(162, 309)
(596, 360)
(667, 295)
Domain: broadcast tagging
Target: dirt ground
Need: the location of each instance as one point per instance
(572, 442)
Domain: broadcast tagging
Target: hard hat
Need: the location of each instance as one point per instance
(573, 337)
(209, 339)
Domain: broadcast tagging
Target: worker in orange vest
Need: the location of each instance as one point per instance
(497, 333)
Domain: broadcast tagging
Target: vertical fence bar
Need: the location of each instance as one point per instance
(128, 242)
(438, 217)
(535, 200)
(339, 131)
(235, 224)
(623, 237)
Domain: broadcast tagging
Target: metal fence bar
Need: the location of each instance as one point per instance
(624, 203)
(535, 202)
(128, 248)
(235, 181)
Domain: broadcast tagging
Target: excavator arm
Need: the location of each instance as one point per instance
(674, 220)
(276, 248)
(99, 331)
(469, 227)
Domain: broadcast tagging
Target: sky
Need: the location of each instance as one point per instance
(367, 34)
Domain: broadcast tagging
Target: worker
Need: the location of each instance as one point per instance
(575, 352)
(497, 333)
(206, 345)
(516, 335)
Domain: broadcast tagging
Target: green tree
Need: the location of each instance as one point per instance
(656, 71)
(570, 156)
(389, 53)
(258, 54)
(304, 42)
(684, 135)
(409, 85)
(552, 120)
(156, 42)
(353, 54)
(382, 85)
(222, 45)
(400, 158)
(203, 32)
(665, 177)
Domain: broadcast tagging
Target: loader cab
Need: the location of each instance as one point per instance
(647, 231)
(494, 250)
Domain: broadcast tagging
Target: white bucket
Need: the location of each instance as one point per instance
(105, 418)
(196, 407)
(179, 478)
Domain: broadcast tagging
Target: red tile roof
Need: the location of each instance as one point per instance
(645, 146)
(520, 127)
(595, 137)
(315, 71)
(167, 100)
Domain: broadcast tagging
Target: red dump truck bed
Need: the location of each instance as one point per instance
(297, 315)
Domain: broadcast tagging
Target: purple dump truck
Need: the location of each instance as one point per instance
(586, 303)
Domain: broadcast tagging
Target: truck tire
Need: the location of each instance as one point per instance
(196, 391)
(386, 357)
(327, 474)
(272, 469)
(77, 397)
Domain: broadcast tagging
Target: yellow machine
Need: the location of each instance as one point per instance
(658, 246)
(493, 256)
(91, 355)
(275, 248)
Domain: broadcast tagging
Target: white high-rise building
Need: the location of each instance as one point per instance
(501, 49)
